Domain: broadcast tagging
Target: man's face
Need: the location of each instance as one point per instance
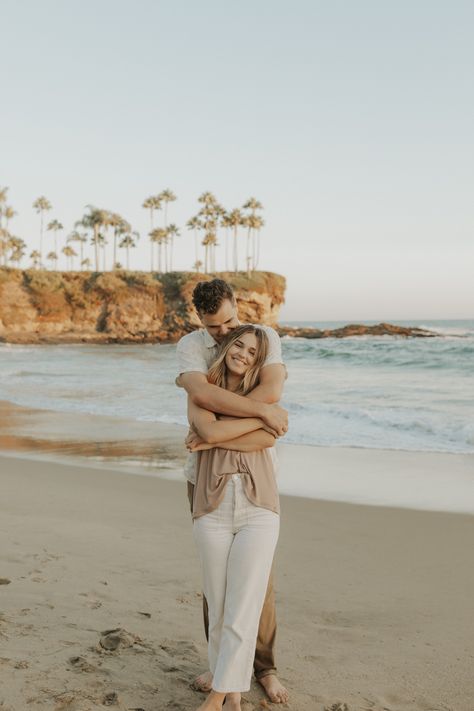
(221, 323)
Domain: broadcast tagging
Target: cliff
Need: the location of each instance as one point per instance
(120, 307)
(138, 307)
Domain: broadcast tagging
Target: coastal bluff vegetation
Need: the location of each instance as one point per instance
(39, 306)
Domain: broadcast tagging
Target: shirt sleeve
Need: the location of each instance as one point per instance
(274, 347)
(190, 357)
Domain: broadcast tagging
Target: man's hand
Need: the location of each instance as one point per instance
(276, 419)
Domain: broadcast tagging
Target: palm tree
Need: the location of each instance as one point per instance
(195, 224)
(197, 265)
(4, 239)
(3, 199)
(80, 237)
(94, 220)
(258, 223)
(3, 195)
(55, 226)
(172, 232)
(129, 240)
(152, 203)
(212, 241)
(253, 205)
(103, 242)
(53, 258)
(167, 196)
(159, 236)
(41, 205)
(86, 263)
(120, 226)
(8, 213)
(205, 243)
(234, 220)
(69, 253)
(207, 199)
(35, 257)
(211, 212)
(226, 224)
(209, 243)
(18, 247)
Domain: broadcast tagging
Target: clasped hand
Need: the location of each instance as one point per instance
(195, 443)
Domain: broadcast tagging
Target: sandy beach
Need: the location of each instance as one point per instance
(374, 603)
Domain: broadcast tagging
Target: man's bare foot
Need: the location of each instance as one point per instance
(203, 682)
(275, 691)
(232, 702)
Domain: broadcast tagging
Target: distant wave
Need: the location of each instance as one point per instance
(376, 392)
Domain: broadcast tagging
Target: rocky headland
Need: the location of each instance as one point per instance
(357, 329)
(138, 307)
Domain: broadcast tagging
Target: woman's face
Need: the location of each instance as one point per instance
(241, 355)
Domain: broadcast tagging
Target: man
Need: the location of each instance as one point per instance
(217, 308)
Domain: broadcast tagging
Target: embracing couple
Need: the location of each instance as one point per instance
(234, 375)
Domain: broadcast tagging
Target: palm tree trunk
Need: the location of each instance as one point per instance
(41, 236)
(236, 256)
(226, 249)
(96, 247)
(196, 245)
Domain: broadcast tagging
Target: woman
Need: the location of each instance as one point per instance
(236, 518)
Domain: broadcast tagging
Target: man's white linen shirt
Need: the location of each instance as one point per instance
(196, 351)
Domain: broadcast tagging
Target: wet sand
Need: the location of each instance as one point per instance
(374, 603)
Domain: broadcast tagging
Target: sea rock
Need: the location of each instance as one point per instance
(380, 329)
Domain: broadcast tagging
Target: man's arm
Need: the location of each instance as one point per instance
(261, 402)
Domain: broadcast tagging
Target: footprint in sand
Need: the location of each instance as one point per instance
(80, 664)
(178, 656)
(5, 581)
(118, 638)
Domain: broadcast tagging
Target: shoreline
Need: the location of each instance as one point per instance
(373, 603)
(429, 481)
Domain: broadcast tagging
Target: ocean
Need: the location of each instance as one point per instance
(370, 392)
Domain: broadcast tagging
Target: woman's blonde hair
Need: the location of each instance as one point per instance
(217, 374)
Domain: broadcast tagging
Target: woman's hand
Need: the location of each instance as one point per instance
(194, 443)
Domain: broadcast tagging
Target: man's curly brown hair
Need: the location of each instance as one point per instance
(209, 295)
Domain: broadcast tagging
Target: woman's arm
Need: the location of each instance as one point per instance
(212, 430)
(251, 442)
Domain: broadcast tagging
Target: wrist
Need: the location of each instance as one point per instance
(262, 410)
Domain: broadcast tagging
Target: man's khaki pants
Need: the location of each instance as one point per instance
(264, 661)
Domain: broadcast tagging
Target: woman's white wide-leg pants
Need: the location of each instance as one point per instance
(236, 543)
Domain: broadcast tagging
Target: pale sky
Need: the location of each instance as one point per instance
(351, 121)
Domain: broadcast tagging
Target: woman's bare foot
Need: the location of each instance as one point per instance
(275, 691)
(203, 682)
(232, 702)
(213, 702)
